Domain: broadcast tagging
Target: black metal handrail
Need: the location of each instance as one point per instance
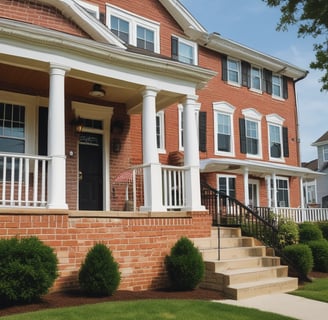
(228, 211)
(257, 222)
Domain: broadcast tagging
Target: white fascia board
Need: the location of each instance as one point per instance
(92, 26)
(43, 45)
(184, 18)
(217, 164)
(222, 45)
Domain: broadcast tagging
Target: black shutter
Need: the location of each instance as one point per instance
(245, 74)
(202, 131)
(43, 131)
(224, 64)
(285, 141)
(242, 129)
(285, 87)
(175, 48)
(267, 78)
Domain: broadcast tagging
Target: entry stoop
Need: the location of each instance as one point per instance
(243, 269)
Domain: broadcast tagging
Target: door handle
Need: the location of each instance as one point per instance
(80, 176)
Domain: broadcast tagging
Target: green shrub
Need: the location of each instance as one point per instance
(300, 258)
(185, 265)
(99, 274)
(288, 232)
(28, 268)
(309, 232)
(319, 250)
(324, 228)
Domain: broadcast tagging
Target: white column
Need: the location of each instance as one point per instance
(246, 191)
(191, 155)
(302, 193)
(152, 172)
(268, 189)
(56, 139)
(274, 182)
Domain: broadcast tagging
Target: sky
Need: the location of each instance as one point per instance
(253, 24)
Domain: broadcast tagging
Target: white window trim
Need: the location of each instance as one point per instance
(233, 83)
(261, 79)
(30, 103)
(89, 7)
(275, 120)
(227, 109)
(279, 97)
(192, 44)
(288, 187)
(161, 116)
(134, 21)
(226, 176)
(251, 114)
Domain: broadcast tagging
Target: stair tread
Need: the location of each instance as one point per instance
(238, 259)
(250, 270)
(260, 283)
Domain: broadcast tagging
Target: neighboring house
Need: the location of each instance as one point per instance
(316, 191)
(102, 102)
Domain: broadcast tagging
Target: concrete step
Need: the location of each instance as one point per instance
(267, 286)
(232, 277)
(241, 252)
(226, 232)
(236, 242)
(242, 263)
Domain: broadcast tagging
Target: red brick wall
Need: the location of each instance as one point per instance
(38, 14)
(138, 243)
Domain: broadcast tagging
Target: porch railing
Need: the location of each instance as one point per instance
(23, 180)
(300, 215)
(173, 179)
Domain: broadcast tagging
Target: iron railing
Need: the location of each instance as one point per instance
(227, 211)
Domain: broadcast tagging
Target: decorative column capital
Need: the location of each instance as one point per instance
(56, 68)
(149, 91)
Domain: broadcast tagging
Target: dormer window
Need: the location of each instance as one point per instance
(133, 29)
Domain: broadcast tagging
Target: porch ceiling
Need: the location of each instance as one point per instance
(256, 168)
(36, 82)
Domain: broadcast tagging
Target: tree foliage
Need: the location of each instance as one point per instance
(311, 18)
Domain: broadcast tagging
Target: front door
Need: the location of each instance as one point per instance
(90, 172)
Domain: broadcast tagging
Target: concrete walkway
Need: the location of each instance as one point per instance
(285, 304)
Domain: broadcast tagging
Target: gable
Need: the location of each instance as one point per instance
(40, 14)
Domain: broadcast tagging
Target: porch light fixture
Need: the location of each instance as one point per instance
(97, 91)
(78, 124)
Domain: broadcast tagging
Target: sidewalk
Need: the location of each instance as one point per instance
(285, 304)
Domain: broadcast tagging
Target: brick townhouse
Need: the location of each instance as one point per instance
(113, 112)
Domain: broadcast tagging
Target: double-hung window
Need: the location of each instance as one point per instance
(184, 50)
(275, 141)
(233, 71)
(250, 133)
(223, 132)
(256, 78)
(133, 29)
(282, 191)
(277, 86)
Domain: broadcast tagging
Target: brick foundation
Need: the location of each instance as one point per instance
(139, 241)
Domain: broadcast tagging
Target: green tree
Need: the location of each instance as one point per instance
(311, 18)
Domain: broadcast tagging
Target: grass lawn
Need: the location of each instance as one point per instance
(149, 310)
(316, 290)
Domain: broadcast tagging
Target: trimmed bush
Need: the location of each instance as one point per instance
(309, 232)
(319, 250)
(288, 232)
(28, 268)
(185, 265)
(99, 274)
(324, 229)
(300, 257)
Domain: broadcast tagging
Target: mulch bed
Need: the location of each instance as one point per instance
(75, 298)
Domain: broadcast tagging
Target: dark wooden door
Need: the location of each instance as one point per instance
(90, 172)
